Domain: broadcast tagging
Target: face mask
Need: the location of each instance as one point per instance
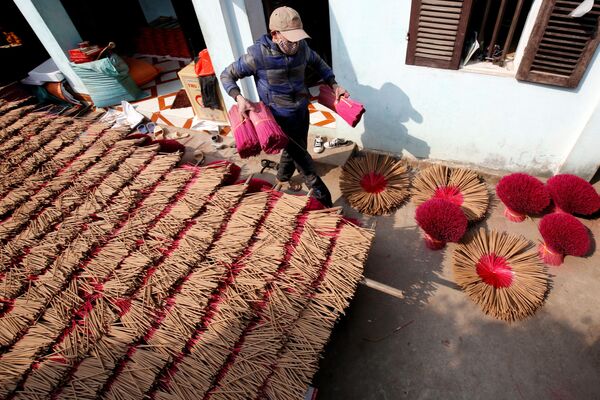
(287, 47)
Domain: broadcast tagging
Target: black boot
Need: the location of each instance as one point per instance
(320, 191)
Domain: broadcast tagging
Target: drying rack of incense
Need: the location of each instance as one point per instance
(126, 276)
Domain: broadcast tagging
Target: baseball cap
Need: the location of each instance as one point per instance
(287, 21)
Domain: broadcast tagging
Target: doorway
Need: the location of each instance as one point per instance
(155, 27)
(315, 19)
(20, 48)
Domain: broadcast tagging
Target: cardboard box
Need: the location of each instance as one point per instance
(191, 84)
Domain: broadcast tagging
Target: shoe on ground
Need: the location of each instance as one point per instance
(318, 145)
(337, 142)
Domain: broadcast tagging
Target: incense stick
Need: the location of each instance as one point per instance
(45, 173)
(147, 282)
(50, 283)
(139, 316)
(284, 301)
(297, 360)
(59, 183)
(190, 301)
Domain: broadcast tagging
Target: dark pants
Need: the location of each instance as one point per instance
(296, 156)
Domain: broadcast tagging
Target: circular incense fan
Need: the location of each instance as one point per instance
(457, 185)
(573, 194)
(523, 195)
(442, 222)
(564, 235)
(375, 184)
(502, 273)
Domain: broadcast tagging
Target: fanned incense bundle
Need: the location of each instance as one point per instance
(375, 184)
(564, 235)
(350, 110)
(573, 195)
(272, 139)
(523, 195)
(442, 222)
(246, 139)
(502, 274)
(457, 185)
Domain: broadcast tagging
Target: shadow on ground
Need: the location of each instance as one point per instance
(436, 344)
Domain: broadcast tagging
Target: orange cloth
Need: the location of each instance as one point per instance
(140, 71)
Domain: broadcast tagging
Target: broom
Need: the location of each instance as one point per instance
(272, 139)
(573, 195)
(522, 194)
(457, 185)
(375, 184)
(563, 235)
(442, 222)
(246, 139)
(501, 273)
(350, 110)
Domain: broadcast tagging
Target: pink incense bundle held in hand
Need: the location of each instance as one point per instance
(272, 139)
(351, 111)
(246, 139)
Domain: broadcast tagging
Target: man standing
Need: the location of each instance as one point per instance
(277, 62)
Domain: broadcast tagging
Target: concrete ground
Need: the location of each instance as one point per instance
(435, 343)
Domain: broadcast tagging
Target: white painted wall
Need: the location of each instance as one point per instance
(493, 121)
(256, 18)
(226, 31)
(157, 8)
(584, 158)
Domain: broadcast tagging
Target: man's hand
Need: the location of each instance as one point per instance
(339, 92)
(244, 106)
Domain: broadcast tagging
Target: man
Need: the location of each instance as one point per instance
(277, 61)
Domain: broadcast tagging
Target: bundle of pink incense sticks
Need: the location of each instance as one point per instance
(272, 139)
(246, 139)
(350, 110)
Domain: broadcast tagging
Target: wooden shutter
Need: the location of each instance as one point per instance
(437, 32)
(560, 47)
